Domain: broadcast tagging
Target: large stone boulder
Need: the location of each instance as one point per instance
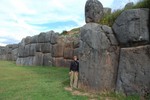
(38, 59)
(21, 51)
(28, 61)
(32, 49)
(58, 61)
(134, 70)
(93, 11)
(44, 47)
(132, 27)
(47, 59)
(54, 37)
(68, 53)
(98, 58)
(14, 54)
(58, 50)
(27, 40)
(34, 39)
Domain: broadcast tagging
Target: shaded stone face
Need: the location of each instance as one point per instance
(98, 58)
(93, 11)
(132, 27)
(134, 70)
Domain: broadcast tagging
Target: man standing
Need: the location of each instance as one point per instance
(74, 70)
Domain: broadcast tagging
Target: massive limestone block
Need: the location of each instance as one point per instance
(21, 51)
(93, 11)
(26, 50)
(47, 59)
(34, 39)
(76, 52)
(42, 37)
(58, 62)
(134, 70)
(67, 62)
(61, 62)
(27, 40)
(54, 37)
(28, 61)
(32, 49)
(45, 37)
(132, 27)
(38, 59)
(69, 44)
(76, 43)
(14, 54)
(57, 50)
(43, 47)
(98, 58)
(68, 53)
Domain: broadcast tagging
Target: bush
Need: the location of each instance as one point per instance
(109, 19)
(64, 32)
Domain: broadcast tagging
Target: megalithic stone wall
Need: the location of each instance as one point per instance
(108, 65)
(9, 52)
(111, 59)
(132, 29)
(47, 49)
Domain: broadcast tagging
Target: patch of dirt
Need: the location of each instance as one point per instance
(91, 96)
(77, 92)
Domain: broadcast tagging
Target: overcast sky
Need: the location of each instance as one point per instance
(21, 18)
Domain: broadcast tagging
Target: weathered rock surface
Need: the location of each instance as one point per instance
(47, 49)
(132, 27)
(134, 69)
(47, 59)
(93, 11)
(9, 52)
(98, 58)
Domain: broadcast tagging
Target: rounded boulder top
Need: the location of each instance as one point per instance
(93, 11)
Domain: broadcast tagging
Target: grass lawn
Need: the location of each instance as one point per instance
(43, 83)
(34, 83)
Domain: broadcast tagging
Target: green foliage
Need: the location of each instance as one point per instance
(109, 19)
(34, 83)
(71, 32)
(142, 4)
(64, 32)
(118, 96)
(75, 29)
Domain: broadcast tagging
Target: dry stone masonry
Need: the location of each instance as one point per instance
(108, 65)
(9, 52)
(111, 59)
(47, 49)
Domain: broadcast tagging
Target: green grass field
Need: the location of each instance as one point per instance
(43, 83)
(34, 83)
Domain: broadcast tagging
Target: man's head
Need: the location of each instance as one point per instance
(75, 58)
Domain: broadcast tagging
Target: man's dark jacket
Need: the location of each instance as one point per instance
(74, 66)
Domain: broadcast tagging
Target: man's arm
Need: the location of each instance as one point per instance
(70, 66)
(78, 67)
